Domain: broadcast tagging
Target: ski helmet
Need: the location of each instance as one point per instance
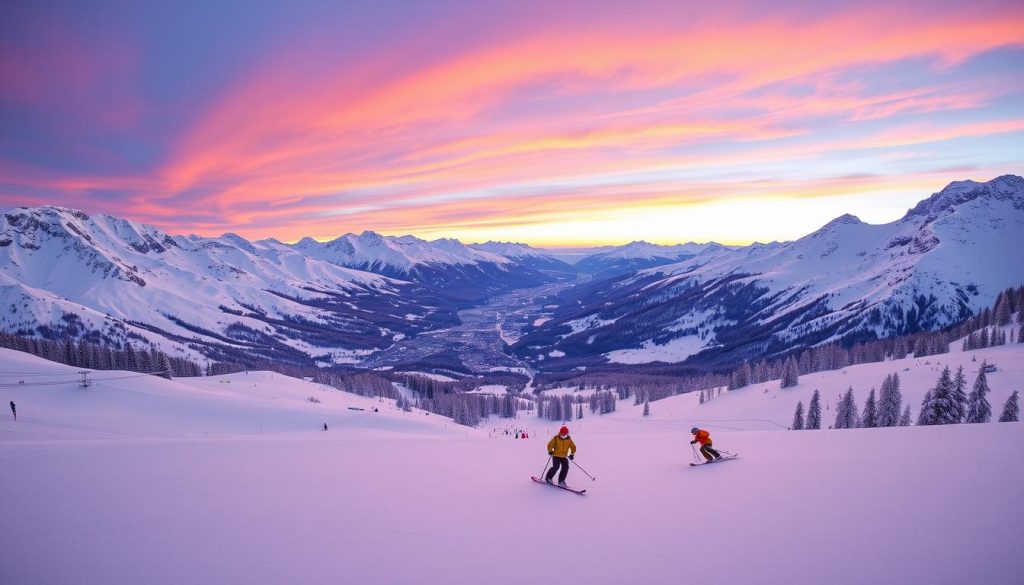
(563, 431)
(694, 430)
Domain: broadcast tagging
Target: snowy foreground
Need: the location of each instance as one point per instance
(142, 480)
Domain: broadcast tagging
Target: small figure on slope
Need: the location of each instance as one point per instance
(704, 438)
(559, 448)
(14, 411)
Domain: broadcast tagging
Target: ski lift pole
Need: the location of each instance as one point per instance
(592, 478)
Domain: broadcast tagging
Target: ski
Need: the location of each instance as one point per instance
(724, 458)
(555, 485)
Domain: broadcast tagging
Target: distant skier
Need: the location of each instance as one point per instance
(14, 411)
(559, 448)
(704, 438)
(325, 426)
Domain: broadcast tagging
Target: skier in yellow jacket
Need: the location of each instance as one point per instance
(559, 447)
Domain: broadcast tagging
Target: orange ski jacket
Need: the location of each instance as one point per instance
(702, 437)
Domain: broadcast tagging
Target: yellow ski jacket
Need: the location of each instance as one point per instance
(559, 447)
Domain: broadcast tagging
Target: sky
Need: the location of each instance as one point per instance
(552, 123)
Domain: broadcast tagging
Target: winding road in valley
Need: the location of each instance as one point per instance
(480, 339)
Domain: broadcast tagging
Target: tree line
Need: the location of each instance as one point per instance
(948, 402)
(982, 330)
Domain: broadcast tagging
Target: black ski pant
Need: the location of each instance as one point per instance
(709, 452)
(558, 462)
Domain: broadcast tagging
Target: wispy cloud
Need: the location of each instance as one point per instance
(522, 125)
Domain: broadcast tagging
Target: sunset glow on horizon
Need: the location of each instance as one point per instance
(554, 124)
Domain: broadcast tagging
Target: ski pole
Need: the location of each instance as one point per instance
(696, 458)
(546, 463)
(592, 478)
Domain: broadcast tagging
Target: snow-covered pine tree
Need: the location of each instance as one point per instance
(840, 414)
(790, 373)
(702, 397)
(1011, 410)
(905, 419)
(926, 409)
(165, 366)
(1002, 312)
(943, 410)
(814, 413)
(647, 406)
(130, 362)
(83, 356)
(846, 412)
(870, 411)
(889, 402)
(852, 410)
(143, 360)
(69, 354)
(798, 417)
(959, 395)
(978, 408)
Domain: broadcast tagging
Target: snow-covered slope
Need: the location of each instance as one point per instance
(399, 498)
(52, 405)
(765, 406)
(945, 260)
(526, 255)
(463, 271)
(639, 255)
(399, 255)
(105, 277)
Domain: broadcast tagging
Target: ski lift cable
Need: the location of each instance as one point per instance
(65, 382)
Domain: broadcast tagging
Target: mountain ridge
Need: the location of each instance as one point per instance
(846, 280)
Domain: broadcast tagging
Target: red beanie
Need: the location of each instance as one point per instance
(563, 431)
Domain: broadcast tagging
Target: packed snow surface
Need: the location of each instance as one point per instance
(144, 480)
(675, 350)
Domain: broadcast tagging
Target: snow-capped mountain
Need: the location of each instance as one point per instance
(470, 272)
(640, 255)
(526, 255)
(100, 277)
(945, 259)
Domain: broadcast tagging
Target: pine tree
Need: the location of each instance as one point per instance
(647, 407)
(1011, 410)
(926, 408)
(959, 396)
(165, 366)
(846, 412)
(870, 411)
(905, 419)
(143, 360)
(69, 354)
(978, 408)
(798, 417)
(943, 409)
(130, 362)
(790, 374)
(889, 402)
(814, 413)
(1002, 312)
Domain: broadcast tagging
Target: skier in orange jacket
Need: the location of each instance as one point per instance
(704, 438)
